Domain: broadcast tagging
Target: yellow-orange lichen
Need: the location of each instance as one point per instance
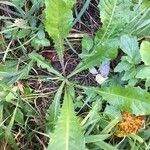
(130, 124)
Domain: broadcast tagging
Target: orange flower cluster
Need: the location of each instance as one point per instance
(130, 124)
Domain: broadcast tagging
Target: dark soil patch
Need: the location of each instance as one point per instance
(90, 21)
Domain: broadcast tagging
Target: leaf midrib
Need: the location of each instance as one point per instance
(123, 97)
(67, 124)
(111, 18)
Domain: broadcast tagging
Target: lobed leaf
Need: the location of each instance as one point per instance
(114, 15)
(121, 17)
(58, 21)
(54, 109)
(68, 134)
(131, 99)
(41, 62)
(129, 45)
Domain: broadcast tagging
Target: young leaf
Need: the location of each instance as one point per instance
(58, 21)
(68, 134)
(129, 45)
(145, 52)
(131, 99)
(40, 40)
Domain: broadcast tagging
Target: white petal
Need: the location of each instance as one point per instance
(93, 71)
(100, 79)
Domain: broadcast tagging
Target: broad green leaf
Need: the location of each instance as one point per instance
(128, 69)
(58, 21)
(129, 46)
(130, 74)
(37, 43)
(67, 134)
(8, 66)
(145, 52)
(144, 73)
(41, 62)
(111, 111)
(123, 66)
(131, 99)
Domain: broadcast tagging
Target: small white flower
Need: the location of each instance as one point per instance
(100, 79)
(93, 71)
